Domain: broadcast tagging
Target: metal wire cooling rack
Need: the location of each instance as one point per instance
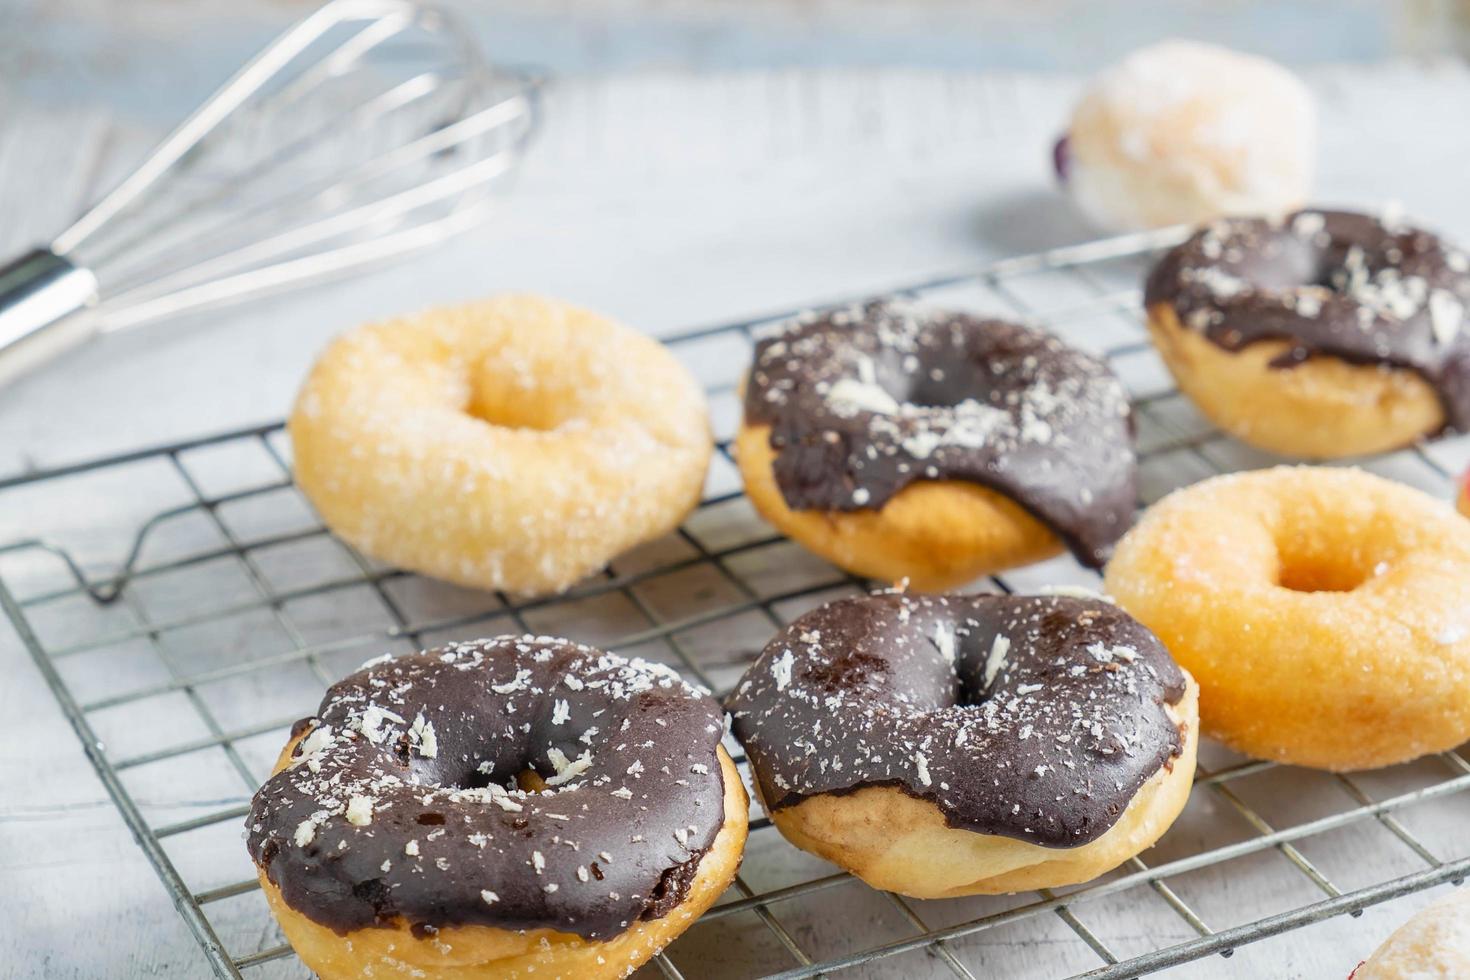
(182, 666)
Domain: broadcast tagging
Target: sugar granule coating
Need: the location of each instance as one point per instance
(517, 443)
(1311, 604)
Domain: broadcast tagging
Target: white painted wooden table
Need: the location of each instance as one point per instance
(669, 200)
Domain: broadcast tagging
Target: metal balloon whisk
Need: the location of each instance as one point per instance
(370, 129)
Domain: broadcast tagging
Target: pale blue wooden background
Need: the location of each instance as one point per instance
(150, 59)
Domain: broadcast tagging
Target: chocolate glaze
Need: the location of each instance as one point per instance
(1035, 717)
(864, 401)
(1353, 286)
(401, 802)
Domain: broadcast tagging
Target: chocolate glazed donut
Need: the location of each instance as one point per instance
(899, 440)
(1321, 335)
(515, 804)
(952, 745)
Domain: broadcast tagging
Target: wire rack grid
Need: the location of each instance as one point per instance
(182, 665)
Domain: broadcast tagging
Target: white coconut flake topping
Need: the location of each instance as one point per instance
(370, 722)
(422, 735)
(1105, 654)
(944, 641)
(518, 683)
(1446, 314)
(781, 670)
(360, 811)
(996, 661)
(312, 746)
(506, 803)
(1308, 223)
(848, 396)
(567, 769)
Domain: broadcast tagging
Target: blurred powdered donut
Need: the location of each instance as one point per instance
(1181, 132)
(1433, 945)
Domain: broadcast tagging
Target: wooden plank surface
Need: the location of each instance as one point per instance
(74, 49)
(670, 200)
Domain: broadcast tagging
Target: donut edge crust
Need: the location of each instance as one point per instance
(896, 842)
(1323, 408)
(938, 534)
(1304, 678)
(478, 952)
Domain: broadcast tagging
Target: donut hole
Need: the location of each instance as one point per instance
(518, 774)
(972, 692)
(944, 389)
(521, 393)
(441, 771)
(1287, 262)
(1308, 565)
(1320, 577)
(452, 779)
(943, 378)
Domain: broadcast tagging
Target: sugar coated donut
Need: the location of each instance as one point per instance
(1325, 612)
(959, 745)
(1181, 132)
(518, 443)
(899, 441)
(1433, 945)
(514, 807)
(1325, 334)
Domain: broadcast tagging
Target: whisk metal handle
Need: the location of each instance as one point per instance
(43, 303)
